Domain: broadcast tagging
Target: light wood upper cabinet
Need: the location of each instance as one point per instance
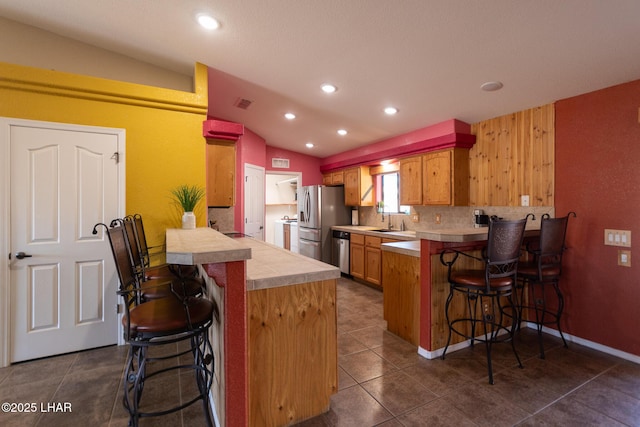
(358, 187)
(445, 177)
(337, 178)
(333, 178)
(411, 181)
(221, 171)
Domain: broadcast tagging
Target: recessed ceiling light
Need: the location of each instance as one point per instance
(208, 21)
(289, 116)
(328, 88)
(309, 144)
(491, 86)
(390, 111)
(342, 132)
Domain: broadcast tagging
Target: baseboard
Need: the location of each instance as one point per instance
(427, 354)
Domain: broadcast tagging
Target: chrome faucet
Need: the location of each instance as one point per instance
(390, 226)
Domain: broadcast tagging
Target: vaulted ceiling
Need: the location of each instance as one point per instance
(428, 58)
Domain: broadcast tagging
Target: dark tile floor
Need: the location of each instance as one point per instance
(383, 382)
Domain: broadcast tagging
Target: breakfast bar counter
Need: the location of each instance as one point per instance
(434, 286)
(275, 342)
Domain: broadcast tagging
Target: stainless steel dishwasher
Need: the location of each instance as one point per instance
(340, 253)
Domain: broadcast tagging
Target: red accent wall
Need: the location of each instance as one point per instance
(250, 148)
(598, 177)
(308, 165)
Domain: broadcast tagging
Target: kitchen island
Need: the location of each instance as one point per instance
(275, 341)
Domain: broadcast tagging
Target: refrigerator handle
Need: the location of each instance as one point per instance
(306, 206)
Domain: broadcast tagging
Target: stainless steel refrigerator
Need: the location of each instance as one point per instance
(320, 208)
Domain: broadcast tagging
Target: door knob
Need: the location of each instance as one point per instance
(21, 255)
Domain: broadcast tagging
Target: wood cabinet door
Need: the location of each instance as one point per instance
(221, 171)
(436, 178)
(411, 181)
(352, 187)
(373, 260)
(357, 260)
(337, 178)
(326, 179)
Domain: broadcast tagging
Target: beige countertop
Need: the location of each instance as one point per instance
(267, 265)
(375, 231)
(460, 235)
(271, 266)
(203, 246)
(410, 248)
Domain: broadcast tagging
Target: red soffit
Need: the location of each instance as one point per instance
(219, 129)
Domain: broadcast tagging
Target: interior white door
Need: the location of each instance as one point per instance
(63, 180)
(254, 201)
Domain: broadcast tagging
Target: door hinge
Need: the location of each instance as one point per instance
(118, 308)
(116, 157)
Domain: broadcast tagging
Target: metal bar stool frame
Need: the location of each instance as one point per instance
(164, 321)
(485, 290)
(544, 272)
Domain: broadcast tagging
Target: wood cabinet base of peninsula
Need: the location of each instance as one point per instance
(401, 302)
(293, 354)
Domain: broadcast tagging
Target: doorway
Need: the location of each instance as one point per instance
(254, 201)
(58, 292)
(280, 202)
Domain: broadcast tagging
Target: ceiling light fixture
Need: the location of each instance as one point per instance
(491, 86)
(342, 132)
(328, 88)
(309, 144)
(390, 111)
(289, 116)
(208, 22)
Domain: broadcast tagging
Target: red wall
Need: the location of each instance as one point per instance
(250, 148)
(598, 177)
(308, 165)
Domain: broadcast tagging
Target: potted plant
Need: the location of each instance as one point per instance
(188, 197)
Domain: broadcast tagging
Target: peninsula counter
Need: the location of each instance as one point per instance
(277, 329)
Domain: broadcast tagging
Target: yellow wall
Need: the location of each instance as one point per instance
(164, 143)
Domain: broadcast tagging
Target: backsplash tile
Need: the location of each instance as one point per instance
(450, 216)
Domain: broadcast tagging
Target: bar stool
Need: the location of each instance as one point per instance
(160, 322)
(145, 254)
(149, 277)
(542, 272)
(486, 290)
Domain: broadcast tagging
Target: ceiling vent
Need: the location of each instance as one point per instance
(280, 163)
(243, 103)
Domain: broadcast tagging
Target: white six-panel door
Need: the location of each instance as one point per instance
(254, 201)
(63, 180)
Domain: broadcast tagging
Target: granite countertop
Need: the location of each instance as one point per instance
(271, 266)
(375, 231)
(203, 246)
